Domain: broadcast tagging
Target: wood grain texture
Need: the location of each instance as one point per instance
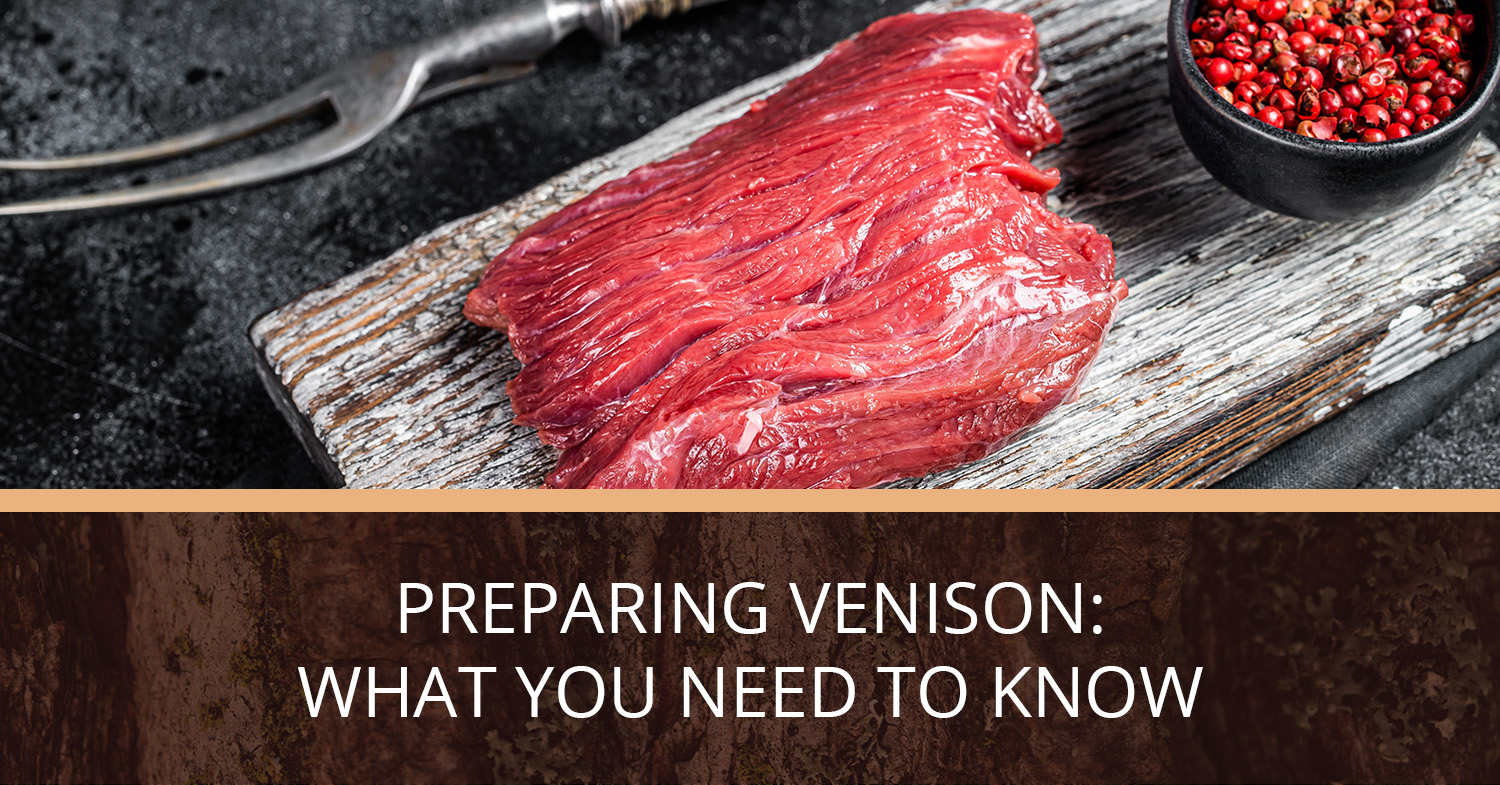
(1243, 328)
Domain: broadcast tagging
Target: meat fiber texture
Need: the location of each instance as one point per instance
(857, 281)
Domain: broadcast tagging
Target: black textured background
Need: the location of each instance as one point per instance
(123, 358)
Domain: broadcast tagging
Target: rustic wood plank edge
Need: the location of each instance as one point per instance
(1276, 414)
(302, 428)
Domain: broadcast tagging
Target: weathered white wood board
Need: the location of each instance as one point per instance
(1242, 329)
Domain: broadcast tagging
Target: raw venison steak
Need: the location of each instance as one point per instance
(857, 281)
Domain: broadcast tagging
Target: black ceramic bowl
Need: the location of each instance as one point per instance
(1316, 179)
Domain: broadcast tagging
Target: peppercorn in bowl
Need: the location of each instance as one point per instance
(1331, 110)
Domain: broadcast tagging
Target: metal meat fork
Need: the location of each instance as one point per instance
(366, 96)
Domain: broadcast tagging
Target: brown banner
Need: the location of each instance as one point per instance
(172, 647)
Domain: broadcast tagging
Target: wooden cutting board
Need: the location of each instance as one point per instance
(1242, 329)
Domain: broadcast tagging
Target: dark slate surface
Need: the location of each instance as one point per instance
(123, 360)
(1457, 450)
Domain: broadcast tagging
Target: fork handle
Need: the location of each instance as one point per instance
(528, 31)
(625, 13)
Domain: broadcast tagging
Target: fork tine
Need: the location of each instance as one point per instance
(298, 103)
(496, 75)
(338, 141)
(367, 98)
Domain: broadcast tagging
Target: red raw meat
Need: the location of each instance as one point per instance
(857, 281)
